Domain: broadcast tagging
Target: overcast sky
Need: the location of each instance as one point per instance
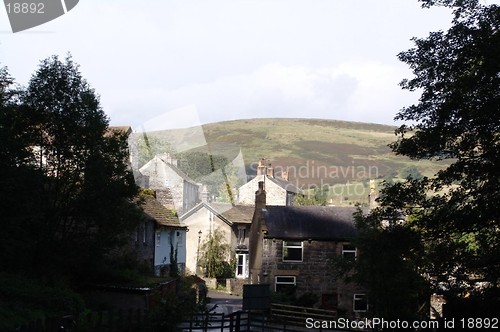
(178, 63)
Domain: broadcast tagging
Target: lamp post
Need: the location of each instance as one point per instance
(198, 253)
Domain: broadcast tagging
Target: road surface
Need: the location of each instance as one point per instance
(226, 303)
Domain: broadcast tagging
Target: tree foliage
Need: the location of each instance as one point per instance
(410, 171)
(457, 118)
(213, 170)
(70, 186)
(390, 254)
(454, 215)
(314, 196)
(215, 254)
(148, 146)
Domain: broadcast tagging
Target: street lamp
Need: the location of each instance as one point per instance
(198, 253)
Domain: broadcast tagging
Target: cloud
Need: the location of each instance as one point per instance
(357, 91)
(235, 59)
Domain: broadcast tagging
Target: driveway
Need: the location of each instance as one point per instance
(226, 303)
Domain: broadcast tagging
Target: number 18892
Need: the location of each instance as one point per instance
(25, 8)
(479, 323)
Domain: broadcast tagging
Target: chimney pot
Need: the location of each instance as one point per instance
(261, 168)
(284, 175)
(270, 171)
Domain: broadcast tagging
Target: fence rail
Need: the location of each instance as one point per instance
(280, 318)
(294, 315)
(235, 322)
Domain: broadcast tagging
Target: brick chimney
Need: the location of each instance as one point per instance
(270, 171)
(284, 175)
(260, 197)
(261, 168)
(256, 236)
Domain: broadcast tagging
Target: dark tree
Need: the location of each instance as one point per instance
(390, 254)
(455, 214)
(457, 118)
(19, 182)
(79, 189)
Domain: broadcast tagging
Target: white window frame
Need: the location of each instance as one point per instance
(276, 282)
(293, 246)
(358, 298)
(347, 252)
(244, 266)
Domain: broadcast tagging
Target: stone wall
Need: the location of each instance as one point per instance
(164, 196)
(314, 274)
(235, 286)
(275, 195)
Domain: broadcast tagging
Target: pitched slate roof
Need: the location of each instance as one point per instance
(230, 214)
(156, 211)
(180, 173)
(309, 222)
(288, 186)
(239, 214)
(215, 208)
(160, 161)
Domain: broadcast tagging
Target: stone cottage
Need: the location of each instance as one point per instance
(162, 173)
(160, 240)
(233, 221)
(292, 248)
(279, 190)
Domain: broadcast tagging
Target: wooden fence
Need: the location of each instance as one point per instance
(280, 318)
(294, 315)
(283, 318)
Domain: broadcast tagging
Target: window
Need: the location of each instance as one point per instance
(179, 241)
(144, 234)
(360, 303)
(242, 266)
(158, 238)
(241, 236)
(349, 251)
(284, 284)
(292, 251)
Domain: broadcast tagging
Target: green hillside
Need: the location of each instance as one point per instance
(330, 143)
(313, 151)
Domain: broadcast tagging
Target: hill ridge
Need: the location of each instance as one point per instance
(313, 151)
